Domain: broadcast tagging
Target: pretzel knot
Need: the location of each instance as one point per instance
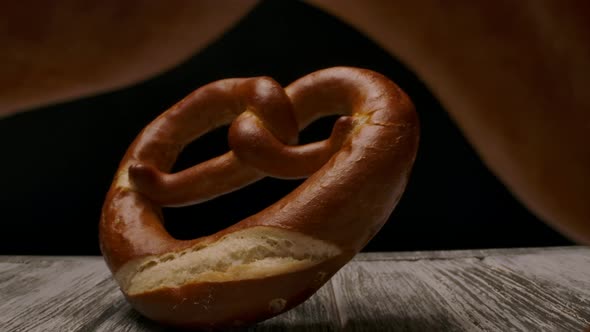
(278, 257)
(263, 131)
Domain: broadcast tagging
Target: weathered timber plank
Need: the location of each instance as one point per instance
(507, 290)
(54, 294)
(482, 290)
(470, 253)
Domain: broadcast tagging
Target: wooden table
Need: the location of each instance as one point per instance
(482, 290)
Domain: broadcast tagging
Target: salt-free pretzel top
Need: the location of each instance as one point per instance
(277, 258)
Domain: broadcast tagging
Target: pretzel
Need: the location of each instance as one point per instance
(274, 260)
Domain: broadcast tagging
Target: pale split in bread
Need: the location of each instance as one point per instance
(255, 252)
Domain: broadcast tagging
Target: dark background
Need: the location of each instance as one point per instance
(57, 162)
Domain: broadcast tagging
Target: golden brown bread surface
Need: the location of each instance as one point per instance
(277, 258)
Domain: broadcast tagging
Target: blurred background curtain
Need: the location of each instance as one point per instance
(57, 163)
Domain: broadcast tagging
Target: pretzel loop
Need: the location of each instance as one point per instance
(207, 108)
(263, 129)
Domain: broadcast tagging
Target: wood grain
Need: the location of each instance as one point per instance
(482, 290)
(519, 290)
